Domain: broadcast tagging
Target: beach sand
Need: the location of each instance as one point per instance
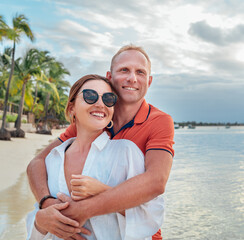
(17, 153)
(16, 199)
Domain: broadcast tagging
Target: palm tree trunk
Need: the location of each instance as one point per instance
(35, 97)
(7, 90)
(45, 127)
(21, 105)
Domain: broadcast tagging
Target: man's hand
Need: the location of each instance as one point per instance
(51, 220)
(84, 186)
(74, 211)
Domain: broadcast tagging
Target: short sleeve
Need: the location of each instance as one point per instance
(69, 133)
(161, 136)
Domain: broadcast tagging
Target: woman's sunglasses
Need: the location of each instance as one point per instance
(91, 96)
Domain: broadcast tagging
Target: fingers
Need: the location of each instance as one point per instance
(76, 198)
(85, 231)
(76, 237)
(73, 176)
(68, 229)
(64, 231)
(61, 206)
(53, 221)
(79, 179)
(81, 195)
(63, 197)
(78, 190)
(68, 221)
(76, 182)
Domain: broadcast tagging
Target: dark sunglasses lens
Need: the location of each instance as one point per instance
(109, 99)
(90, 96)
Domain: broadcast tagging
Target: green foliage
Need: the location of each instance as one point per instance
(10, 118)
(40, 73)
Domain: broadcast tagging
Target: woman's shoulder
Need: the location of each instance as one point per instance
(125, 145)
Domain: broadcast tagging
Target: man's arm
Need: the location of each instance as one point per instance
(37, 174)
(55, 223)
(131, 193)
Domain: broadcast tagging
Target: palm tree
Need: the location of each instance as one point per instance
(20, 27)
(55, 76)
(43, 61)
(25, 69)
(5, 60)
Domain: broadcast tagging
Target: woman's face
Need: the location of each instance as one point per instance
(92, 116)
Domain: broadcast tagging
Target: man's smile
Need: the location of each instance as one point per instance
(130, 88)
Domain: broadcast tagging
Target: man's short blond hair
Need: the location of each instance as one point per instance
(128, 48)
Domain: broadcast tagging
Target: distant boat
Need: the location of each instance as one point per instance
(191, 126)
(177, 126)
(227, 126)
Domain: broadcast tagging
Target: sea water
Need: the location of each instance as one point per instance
(204, 197)
(205, 192)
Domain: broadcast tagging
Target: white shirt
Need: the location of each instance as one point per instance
(111, 162)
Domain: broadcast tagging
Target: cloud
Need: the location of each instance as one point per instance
(195, 47)
(225, 8)
(72, 38)
(215, 35)
(188, 97)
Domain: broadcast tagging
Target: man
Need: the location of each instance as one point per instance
(134, 119)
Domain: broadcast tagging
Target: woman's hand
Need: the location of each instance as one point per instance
(51, 220)
(84, 186)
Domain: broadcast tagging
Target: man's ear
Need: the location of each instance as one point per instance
(108, 75)
(150, 81)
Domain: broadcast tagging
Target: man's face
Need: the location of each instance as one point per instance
(130, 76)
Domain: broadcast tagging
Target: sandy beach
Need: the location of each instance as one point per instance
(16, 199)
(17, 153)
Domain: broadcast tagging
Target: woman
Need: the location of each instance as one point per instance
(103, 162)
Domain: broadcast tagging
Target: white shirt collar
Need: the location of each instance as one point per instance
(101, 141)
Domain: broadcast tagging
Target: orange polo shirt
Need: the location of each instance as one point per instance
(150, 129)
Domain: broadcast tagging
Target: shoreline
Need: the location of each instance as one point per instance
(16, 154)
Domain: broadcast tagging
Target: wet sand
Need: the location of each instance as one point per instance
(16, 199)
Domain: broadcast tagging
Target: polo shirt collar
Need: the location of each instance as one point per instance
(143, 113)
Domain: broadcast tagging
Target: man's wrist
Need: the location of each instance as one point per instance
(90, 207)
(45, 198)
(50, 202)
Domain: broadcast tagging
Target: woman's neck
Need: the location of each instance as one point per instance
(85, 138)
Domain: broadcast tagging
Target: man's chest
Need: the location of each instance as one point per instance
(138, 135)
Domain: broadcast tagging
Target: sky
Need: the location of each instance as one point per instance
(196, 47)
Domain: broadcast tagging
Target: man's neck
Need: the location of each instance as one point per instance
(124, 113)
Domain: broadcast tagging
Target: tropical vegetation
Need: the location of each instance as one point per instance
(34, 82)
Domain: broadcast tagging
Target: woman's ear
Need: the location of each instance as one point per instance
(71, 111)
